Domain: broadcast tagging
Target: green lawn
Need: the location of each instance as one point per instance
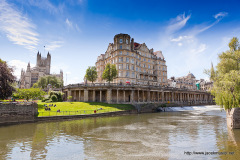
(76, 108)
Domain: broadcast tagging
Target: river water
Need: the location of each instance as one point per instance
(186, 133)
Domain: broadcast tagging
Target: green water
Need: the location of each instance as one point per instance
(168, 135)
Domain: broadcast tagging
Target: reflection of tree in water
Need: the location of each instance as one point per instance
(229, 141)
(13, 135)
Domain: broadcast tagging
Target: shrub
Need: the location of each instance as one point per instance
(54, 98)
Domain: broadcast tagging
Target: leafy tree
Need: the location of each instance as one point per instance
(69, 98)
(6, 79)
(110, 72)
(91, 74)
(226, 77)
(53, 80)
(31, 93)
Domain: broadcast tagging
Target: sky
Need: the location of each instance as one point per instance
(190, 33)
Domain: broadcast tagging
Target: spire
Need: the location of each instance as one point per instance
(28, 64)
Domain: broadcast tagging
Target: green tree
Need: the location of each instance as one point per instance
(53, 80)
(91, 74)
(31, 93)
(110, 72)
(6, 80)
(226, 77)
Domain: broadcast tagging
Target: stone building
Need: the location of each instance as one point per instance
(205, 85)
(42, 68)
(135, 62)
(188, 82)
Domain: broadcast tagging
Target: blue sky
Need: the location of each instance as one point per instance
(189, 33)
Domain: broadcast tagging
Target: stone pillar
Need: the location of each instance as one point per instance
(233, 118)
(124, 98)
(109, 95)
(100, 95)
(195, 102)
(94, 95)
(138, 96)
(143, 95)
(148, 96)
(158, 96)
(79, 95)
(132, 96)
(162, 96)
(187, 97)
(181, 100)
(172, 96)
(85, 95)
(117, 95)
(69, 94)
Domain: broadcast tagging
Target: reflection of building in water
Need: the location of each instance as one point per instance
(42, 68)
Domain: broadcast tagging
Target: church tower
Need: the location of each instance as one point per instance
(48, 65)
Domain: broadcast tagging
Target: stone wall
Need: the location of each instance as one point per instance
(15, 113)
(233, 118)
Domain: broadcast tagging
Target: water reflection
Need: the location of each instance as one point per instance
(167, 135)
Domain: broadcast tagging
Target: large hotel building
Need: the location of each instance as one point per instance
(135, 62)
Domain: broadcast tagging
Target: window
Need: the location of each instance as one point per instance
(127, 41)
(133, 74)
(149, 60)
(127, 59)
(120, 59)
(120, 74)
(120, 47)
(149, 67)
(127, 53)
(127, 47)
(163, 79)
(120, 52)
(132, 67)
(120, 40)
(127, 74)
(127, 66)
(132, 54)
(120, 66)
(136, 68)
(144, 65)
(144, 59)
(132, 60)
(136, 62)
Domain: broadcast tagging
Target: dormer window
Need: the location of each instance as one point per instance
(120, 40)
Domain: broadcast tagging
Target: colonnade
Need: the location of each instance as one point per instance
(138, 95)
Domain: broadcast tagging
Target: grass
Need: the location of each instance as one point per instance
(76, 108)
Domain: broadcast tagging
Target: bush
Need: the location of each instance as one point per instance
(54, 98)
(58, 95)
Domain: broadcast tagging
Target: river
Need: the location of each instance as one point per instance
(186, 133)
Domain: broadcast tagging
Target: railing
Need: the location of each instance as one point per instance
(79, 112)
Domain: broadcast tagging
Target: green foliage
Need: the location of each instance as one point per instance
(53, 80)
(58, 95)
(91, 74)
(110, 72)
(69, 98)
(6, 80)
(54, 98)
(226, 86)
(31, 93)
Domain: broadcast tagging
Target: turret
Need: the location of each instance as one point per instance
(28, 67)
(122, 41)
(38, 58)
(48, 63)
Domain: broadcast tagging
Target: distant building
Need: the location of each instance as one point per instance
(188, 82)
(135, 62)
(42, 68)
(205, 85)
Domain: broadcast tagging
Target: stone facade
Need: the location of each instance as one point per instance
(205, 85)
(135, 94)
(42, 68)
(187, 82)
(135, 62)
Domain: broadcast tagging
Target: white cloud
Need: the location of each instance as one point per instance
(180, 44)
(200, 49)
(53, 45)
(69, 23)
(177, 23)
(220, 15)
(18, 66)
(17, 27)
(180, 38)
(44, 4)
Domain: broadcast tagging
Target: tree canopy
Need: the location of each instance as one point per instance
(110, 72)
(31, 93)
(44, 81)
(6, 80)
(226, 77)
(91, 74)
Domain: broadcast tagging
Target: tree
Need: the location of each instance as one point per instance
(53, 80)
(6, 79)
(31, 93)
(91, 74)
(226, 77)
(110, 72)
